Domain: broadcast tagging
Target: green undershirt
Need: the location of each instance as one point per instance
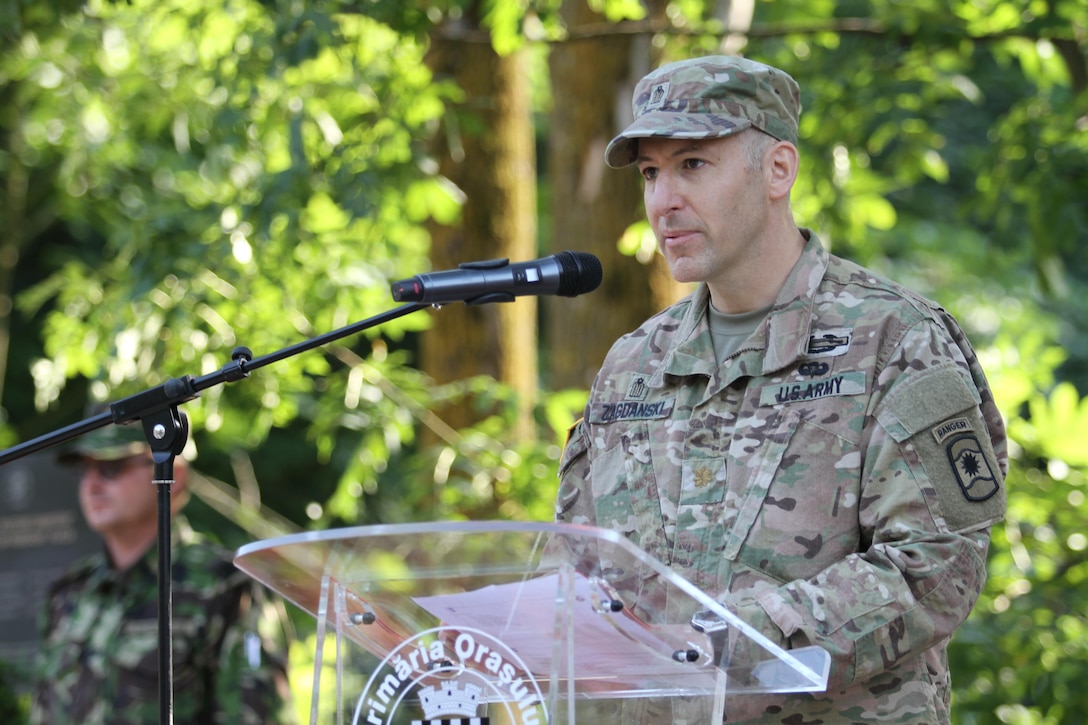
(728, 332)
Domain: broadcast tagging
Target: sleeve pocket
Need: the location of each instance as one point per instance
(925, 400)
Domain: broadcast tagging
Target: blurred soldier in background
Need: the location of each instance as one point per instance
(99, 654)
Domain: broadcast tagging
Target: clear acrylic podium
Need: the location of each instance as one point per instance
(514, 623)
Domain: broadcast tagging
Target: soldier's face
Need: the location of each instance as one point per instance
(118, 495)
(706, 204)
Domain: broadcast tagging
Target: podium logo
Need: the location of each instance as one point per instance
(451, 676)
(441, 705)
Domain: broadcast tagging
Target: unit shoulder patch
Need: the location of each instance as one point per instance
(961, 467)
(973, 472)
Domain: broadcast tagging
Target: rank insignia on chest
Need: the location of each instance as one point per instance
(637, 390)
(702, 477)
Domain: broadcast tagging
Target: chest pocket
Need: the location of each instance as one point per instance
(756, 463)
(625, 490)
(698, 529)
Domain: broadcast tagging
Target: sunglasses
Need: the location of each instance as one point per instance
(112, 470)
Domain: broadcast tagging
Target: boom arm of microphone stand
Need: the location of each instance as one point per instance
(175, 391)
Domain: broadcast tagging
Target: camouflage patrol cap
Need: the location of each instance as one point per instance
(110, 443)
(709, 97)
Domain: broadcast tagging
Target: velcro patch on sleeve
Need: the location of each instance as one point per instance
(937, 414)
(929, 398)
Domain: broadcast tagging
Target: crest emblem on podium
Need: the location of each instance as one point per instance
(451, 676)
(456, 703)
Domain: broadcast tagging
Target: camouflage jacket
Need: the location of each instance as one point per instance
(98, 661)
(833, 482)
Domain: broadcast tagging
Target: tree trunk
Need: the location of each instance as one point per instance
(488, 153)
(592, 205)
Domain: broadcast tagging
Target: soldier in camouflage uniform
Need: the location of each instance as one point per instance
(814, 446)
(98, 661)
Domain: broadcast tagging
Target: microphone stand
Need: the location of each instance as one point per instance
(167, 431)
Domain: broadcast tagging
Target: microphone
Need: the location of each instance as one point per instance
(566, 274)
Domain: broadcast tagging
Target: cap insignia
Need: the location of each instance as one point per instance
(658, 95)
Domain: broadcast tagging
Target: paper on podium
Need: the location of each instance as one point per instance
(611, 645)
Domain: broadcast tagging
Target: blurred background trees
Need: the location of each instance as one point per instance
(178, 178)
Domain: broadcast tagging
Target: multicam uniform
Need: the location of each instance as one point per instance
(99, 656)
(833, 481)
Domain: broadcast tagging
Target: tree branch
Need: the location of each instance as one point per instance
(845, 26)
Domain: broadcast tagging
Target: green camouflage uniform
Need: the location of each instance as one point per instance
(99, 654)
(833, 481)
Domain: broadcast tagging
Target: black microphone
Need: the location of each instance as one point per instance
(566, 274)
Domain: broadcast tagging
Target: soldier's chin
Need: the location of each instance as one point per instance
(99, 521)
(684, 270)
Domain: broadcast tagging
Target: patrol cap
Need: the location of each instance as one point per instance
(709, 97)
(110, 443)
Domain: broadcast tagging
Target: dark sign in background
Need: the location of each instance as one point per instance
(41, 533)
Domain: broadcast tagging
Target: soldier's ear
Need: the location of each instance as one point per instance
(780, 165)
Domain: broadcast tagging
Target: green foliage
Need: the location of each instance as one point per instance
(207, 175)
(479, 473)
(264, 194)
(1056, 424)
(616, 10)
(1021, 655)
(20, 16)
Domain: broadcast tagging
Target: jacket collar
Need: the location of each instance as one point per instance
(783, 336)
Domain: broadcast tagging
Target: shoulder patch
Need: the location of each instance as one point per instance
(936, 413)
(972, 469)
(953, 427)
